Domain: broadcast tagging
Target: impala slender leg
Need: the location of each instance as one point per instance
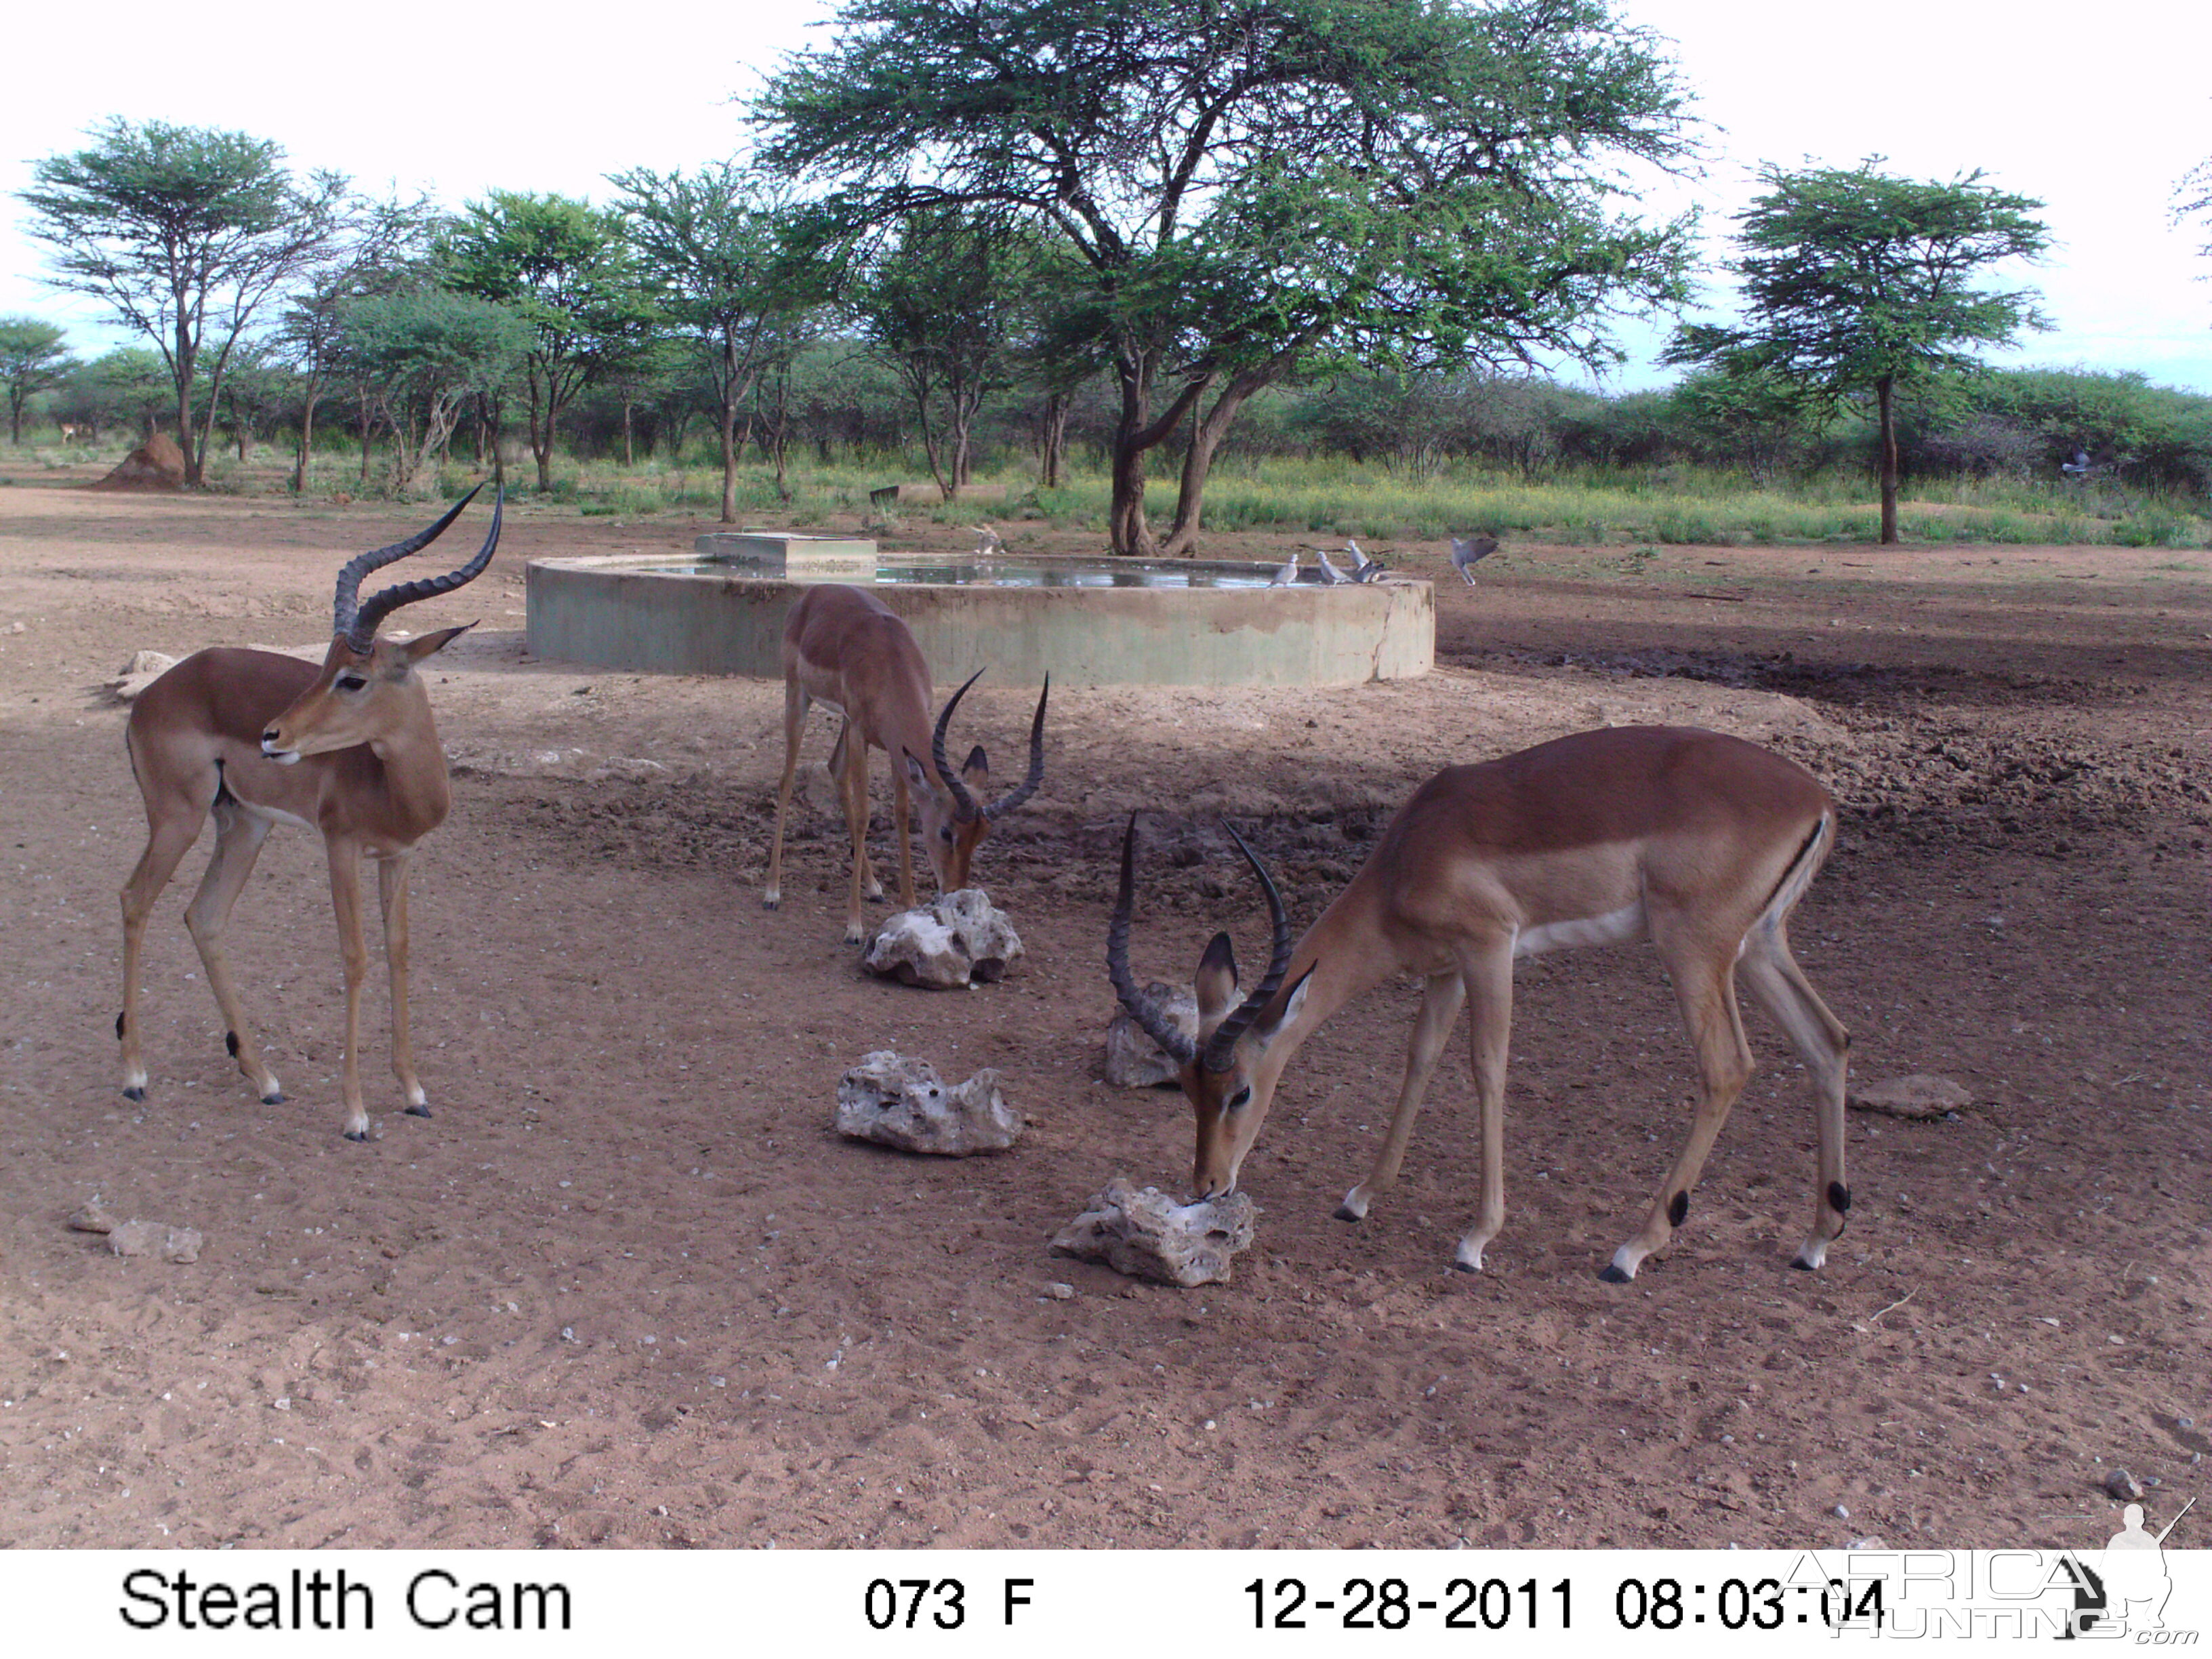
(352, 949)
(1780, 987)
(794, 724)
(901, 813)
(1441, 1000)
(169, 836)
(853, 749)
(1488, 976)
(239, 836)
(1704, 990)
(391, 894)
(856, 817)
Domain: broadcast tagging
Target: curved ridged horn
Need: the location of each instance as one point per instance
(361, 634)
(964, 803)
(1222, 1046)
(346, 604)
(1142, 1009)
(1028, 787)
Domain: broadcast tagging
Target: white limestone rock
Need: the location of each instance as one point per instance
(144, 668)
(1147, 1234)
(958, 941)
(1133, 1061)
(904, 1103)
(1924, 1095)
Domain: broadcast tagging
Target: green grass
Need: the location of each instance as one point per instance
(1336, 497)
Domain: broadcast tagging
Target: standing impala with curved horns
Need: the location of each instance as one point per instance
(254, 739)
(1700, 842)
(842, 647)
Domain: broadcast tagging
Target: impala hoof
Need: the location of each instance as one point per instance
(1459, 1267)
(356, 1134)
(769, 903)
(1612, 1275)
(134, 1094)
(1345, 1212)
(418, 1109)
(274, 1097)
(1804, 1266)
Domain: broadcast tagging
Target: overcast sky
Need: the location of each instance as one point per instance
(2096, 111)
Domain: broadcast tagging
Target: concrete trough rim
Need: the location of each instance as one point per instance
(619, 611)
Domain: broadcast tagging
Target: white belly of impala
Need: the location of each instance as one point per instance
(1613, 927)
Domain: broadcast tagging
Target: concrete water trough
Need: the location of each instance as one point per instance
(1089, 622)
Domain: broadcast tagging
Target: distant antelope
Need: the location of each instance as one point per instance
(843, 648)
(254, 739)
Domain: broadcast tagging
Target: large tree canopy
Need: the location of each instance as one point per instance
(1253, 184)
(1858, 283)
(186, 232)
(565, 267)
(722, 248)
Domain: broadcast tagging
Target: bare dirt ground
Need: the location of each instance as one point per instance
(627, 1288)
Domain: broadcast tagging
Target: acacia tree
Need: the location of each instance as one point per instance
(129, 385)
(721, 244)
(31, 359)
(185, 232)
(381, 247)
(945, 306)
(1256, 183)
(424, 354)
(565, 267)
(1857, 284)
(2193, 198)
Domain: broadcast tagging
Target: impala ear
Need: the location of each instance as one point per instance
(975, 770)
(428, 645)
(917, 779)
(1291, 1003)
(1215, 983)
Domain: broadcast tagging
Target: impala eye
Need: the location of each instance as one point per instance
(945, 834)
(351, 682)
(1241, 1099)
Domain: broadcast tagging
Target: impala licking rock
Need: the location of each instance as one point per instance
(843, 648)
(1699, 843)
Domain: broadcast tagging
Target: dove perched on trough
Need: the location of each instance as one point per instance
(1287, 575)
(1329, 572)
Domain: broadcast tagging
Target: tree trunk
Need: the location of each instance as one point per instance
(365, 429)
(630, 457)
(541, 432)
(307, 442)
(14, 417)
(1127, 531)
(729, 437)
(1205, 438)
(1133, 435)
(1883, 389)
(1053, 439)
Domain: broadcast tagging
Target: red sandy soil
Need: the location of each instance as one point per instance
(627, 1288)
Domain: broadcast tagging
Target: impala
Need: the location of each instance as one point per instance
(1699, 843)
(254, 739)
(843, 649)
